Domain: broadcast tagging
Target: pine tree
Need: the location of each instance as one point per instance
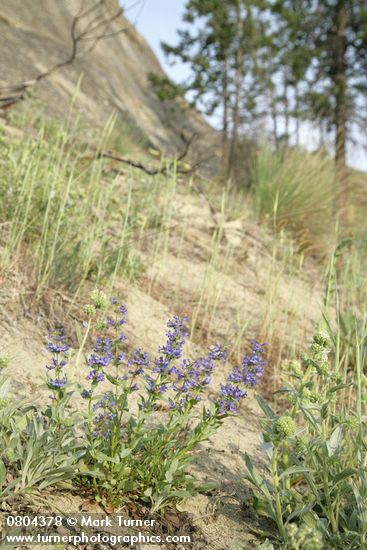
(328, 56)
(219, 44)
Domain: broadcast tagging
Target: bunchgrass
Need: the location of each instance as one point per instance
(65, 215)
(297, 191)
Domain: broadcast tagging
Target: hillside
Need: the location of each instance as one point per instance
(231, 276)
(112, 60)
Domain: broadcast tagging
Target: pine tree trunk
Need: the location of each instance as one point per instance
(296, 107)
(225, 84)
(236, 117)
(237, 94)
(274, 117)
(341, 103)
(286, 110)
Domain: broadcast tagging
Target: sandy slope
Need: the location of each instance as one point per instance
(234, 292)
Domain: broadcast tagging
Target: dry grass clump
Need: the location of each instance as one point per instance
(297, 191)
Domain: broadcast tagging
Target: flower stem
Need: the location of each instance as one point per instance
(80, 351)
(278, 506)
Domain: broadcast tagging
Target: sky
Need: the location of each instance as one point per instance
(158, 21)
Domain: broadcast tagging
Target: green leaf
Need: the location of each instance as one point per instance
(2, 473)
(207, 486)
(310, 417)
(113, 380)
(299, 512)
(310, 519)
(92, 473)
(267, 410)
(333, 443)
(266, 545)
(57, 476)
(4, 388)
(102, 457)
(284, 389)
(267, 448)
(125, 452)
(21, 423)
(294, 470)
(264, 508)
(256, 479)
(339, 387)
(348, 472)
(171, 471)
(154, 152)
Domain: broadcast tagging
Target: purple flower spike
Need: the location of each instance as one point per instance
(58, 382)
(95, 376)
(247, 375)
(86, 394)
(176, 336)
(58, 346)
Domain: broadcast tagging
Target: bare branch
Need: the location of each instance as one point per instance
(164, 170)
(188, 142)
(133, 163)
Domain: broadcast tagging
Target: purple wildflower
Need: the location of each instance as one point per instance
(161, 365)
(151, 383)
(102, 345)
(140, 361)
(195, 375)
(95, 376)
(172, 350)
(104, 419)
(253, 364)
(54, 364)
(100, 360)
(218, 353)
(123, 310)
(58, 382)
(58, 346)
(246, 375)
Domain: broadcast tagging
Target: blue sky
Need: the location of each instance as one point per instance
(158, 21)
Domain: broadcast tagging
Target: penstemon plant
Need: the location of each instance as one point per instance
(33, 453)
(315, 489)
(143, 416)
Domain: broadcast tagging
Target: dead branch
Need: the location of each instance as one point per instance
(164, 170)
(187, 142)
(133, 163)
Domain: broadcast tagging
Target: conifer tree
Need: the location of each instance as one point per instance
(218, 43)
(328, 55)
